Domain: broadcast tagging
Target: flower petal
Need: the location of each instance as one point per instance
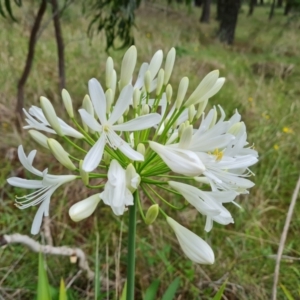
(139, 123)
(98, 98)
(122, 104)
(94, 156)
(89, 120)
(25, 183)
(38, 218)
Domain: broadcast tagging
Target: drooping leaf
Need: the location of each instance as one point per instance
(152, 290)
(171, 290)
(9, 10)
(43, 289)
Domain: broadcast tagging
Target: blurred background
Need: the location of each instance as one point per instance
(48, 45)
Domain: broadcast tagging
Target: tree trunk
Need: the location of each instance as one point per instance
(229, 20)
(60, 44)
(198, 3)
(205, 11)
(288, 7)
(29, 58)
(252, 4)
(272, 10)
(279, 3)
(220, 9)
(261, 2)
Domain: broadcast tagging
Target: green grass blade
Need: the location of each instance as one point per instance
(152, 290)
(171, 290)
(287, 293)
(62, 291)
(43, 289)
(220, 292)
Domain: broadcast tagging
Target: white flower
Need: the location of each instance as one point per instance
(115, 193)
(207, 203)
(179, 160)
(107, 128)
(195, 248)
(37, 120)
(45, 188)
(84, 208)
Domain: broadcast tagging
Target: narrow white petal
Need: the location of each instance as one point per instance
(140, 79)
(38, 218)
(122, 104)
(155, 63)
(139, 123)
(25, 183)
(89, 120)
(94, 156)
(98, 98)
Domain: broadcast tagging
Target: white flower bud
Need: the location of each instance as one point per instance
(127, 68)
(60, 154)
(109, 100)
(202, 180)
(160, 81)
(195, 248)
(201, 108)
(109, 71)
(183, 86)
(67, 102)
(113, 85)
(214, 119)
(169, 92)
(88, 106)
(133, 179)
(151, 214)
(121, 120)
(136, 98)
(84, 175)
(39, 138)
(147, 81)
(186, 137)
(106, 158)
(170, 60)
(50, 115)
(145, 109)
(180, 129)
(191, 113)
(206, 88)
(84, 208)
(155, 63)
(141, 149)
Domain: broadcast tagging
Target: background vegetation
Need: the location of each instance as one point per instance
(262, 72)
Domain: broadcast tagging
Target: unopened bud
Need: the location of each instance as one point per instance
(127, 68)
(39, 138)
(151, 214)
(109, 100)
(147, 81)
(106, 158)
(113, 84)
(183, 86)
(191, 113)
(60, 154)
(155, 63)
(160, 81)
(136, 98)
(145, 109)
(88, 106)
(121, 120)
(180, 129)
(133, 179)
(169, 92)
(169, 65)
(84, 175)
(214, 119)
(109, 71)
(50, 115)
(186, 137)
(141, 148)
(67, 102)
(201, 108)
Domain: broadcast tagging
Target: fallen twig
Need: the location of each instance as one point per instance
(283, 238)
(47, 249)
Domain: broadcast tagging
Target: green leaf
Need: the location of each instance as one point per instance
(8, 8)
(62, 291)
(287, 293)
(171, 290)
(124, 292)
(43, 289)
(2, 11)
(220, 292)
(152, 290)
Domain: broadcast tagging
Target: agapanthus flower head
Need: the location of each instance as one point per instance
(141, 141)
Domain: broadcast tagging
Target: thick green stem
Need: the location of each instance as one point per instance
(131, 248)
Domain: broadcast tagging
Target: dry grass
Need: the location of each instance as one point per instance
(269, 103)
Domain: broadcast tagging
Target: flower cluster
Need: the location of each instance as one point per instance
(141, 139)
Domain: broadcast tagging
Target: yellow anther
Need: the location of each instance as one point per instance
(218, 154)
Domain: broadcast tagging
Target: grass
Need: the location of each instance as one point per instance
(256, 85)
